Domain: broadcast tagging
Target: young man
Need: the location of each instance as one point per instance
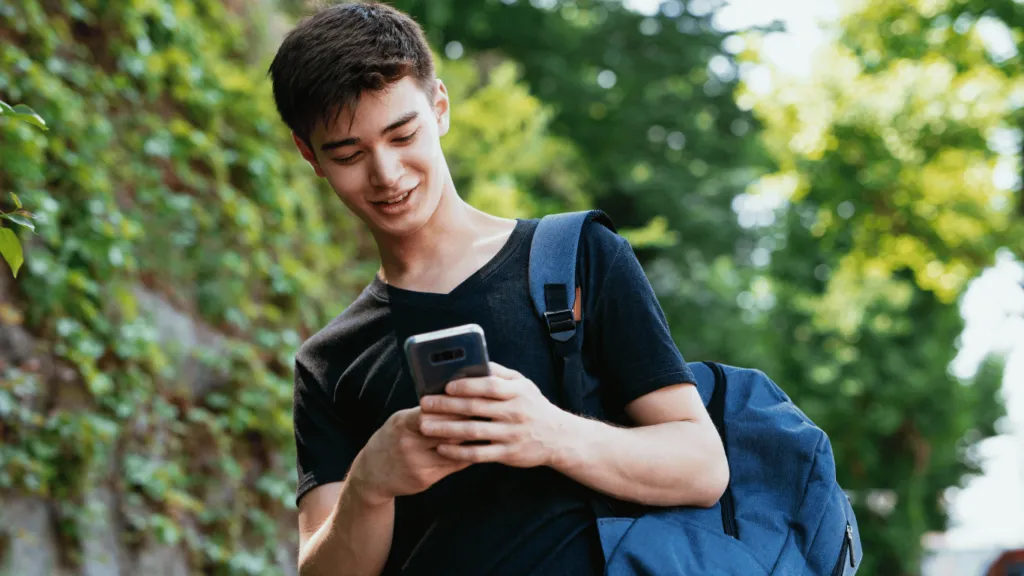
(385, 482)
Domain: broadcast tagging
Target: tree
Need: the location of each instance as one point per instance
(888, 208)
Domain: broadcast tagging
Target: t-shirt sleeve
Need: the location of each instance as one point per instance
(632, 341)
(325, 443)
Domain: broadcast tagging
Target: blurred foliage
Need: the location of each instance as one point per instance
(822, 231)
(889, 202)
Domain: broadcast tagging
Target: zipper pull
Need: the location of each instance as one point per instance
(849, 540)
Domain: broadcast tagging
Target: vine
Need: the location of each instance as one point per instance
(182, 252)
(162, 174)
(10, 246)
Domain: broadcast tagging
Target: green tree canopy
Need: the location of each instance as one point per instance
(889, 206)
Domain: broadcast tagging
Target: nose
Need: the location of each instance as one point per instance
(387, 169)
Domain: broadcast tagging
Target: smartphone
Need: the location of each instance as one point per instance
(439, 357)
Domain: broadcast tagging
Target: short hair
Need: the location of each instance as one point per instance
(329, 59)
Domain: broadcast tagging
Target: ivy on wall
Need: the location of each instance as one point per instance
(166, 172)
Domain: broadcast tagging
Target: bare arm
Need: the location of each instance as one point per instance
(342, 531)
(345, 528)
(673, 457)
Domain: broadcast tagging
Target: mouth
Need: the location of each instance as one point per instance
(395, 201)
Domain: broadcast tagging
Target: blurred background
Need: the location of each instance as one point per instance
(828, 191)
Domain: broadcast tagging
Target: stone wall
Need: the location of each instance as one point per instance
(29, 541)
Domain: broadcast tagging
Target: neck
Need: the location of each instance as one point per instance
(454, 227)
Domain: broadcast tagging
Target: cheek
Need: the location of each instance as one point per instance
(424, 156)
(346, 182)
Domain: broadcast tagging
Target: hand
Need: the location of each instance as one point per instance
(523, 428)
(398, 460)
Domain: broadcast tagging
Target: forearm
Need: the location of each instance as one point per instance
(670, 464)
(355, 540)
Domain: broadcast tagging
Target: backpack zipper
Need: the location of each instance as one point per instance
(849, 540)
(847, 548)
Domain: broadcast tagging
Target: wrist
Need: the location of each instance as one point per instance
(365, 491)
(571, 445)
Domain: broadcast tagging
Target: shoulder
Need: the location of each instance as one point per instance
(597, 237)
(600, 249)
(347, 334)
(597, 241)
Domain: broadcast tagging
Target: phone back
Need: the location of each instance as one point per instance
(437, 358)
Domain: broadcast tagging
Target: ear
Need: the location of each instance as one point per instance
(442, 108)
(308, 154)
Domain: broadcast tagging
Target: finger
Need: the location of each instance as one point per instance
(485, 387)
(503, 372)
(484, 453)
(468, 430)
(432, 441)
(444, 405)
(439, 417)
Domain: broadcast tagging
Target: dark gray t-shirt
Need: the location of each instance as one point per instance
(489, 518)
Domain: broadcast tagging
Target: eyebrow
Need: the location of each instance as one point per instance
(402, 121)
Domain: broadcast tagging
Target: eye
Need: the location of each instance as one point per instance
(347, 159)
(407, 138)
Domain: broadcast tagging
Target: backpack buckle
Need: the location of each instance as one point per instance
(561, 324)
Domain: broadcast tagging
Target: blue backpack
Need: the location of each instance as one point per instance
(783, 511)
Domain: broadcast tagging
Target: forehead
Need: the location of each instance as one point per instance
(374, 111)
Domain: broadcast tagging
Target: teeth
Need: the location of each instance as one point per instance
(396, 200)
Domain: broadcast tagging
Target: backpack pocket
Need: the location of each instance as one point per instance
(821, 536)
(665, 543)
(846, 554)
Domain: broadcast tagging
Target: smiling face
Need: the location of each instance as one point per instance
(385, 161)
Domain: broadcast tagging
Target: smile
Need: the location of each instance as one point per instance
(394, 204)
(395, 200)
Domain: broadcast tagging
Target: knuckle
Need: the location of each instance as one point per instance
(519, 412)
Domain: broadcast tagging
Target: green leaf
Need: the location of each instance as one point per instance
(18, 218)
(17, 202)
(26, 114)
(23, 113)
(10, 249)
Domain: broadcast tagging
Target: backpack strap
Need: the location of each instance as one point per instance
(716, 409)
(554, 292)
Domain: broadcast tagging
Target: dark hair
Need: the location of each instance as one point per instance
(329, 59)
